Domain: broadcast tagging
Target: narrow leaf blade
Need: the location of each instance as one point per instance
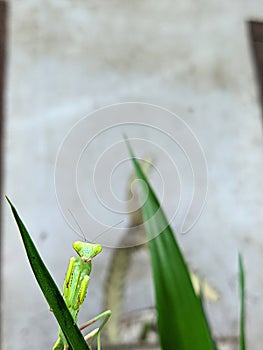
(242, 336)
(50, 289)
(182, 323)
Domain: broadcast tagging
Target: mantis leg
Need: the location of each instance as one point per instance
(96, 332)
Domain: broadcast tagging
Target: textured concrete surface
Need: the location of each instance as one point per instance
(67, 59)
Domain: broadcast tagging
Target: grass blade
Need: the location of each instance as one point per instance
(181, 321)
(242, 336)
(50, 289)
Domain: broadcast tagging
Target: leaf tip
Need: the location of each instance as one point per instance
(126, 139)
(8, 201)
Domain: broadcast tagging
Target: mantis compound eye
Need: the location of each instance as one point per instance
(87, 250)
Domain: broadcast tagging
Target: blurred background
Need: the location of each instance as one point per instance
(203, 61)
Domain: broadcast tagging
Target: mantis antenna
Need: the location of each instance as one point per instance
(98, 235)
(108, 229)
(76, 222)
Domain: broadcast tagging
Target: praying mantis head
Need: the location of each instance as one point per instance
(87, 251)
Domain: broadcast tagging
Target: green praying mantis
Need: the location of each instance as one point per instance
(75, 290)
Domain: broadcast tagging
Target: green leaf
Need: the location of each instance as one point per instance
(242, 336)
(50, 289)
(182, 323)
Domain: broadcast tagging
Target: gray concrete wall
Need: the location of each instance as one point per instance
(68, 58)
